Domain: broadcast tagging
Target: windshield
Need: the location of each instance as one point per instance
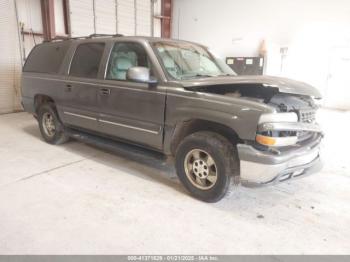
(186, 61)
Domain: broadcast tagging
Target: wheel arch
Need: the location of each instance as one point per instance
(40, 99)
(188, 127)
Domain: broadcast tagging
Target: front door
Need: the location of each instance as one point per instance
(129, 110)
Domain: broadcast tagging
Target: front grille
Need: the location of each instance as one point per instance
(307, 115)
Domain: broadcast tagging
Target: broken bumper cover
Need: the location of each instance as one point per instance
(259, 168)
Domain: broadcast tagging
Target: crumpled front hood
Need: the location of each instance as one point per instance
(284, 85)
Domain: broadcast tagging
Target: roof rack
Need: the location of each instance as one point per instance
(57, 38)
(104, 35)
(63, 38)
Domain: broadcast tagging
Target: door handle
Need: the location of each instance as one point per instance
(105, 91)
(68, 88)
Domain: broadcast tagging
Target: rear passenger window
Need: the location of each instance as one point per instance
(46, 58)
(86, 60)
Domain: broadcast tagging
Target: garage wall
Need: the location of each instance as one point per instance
(29, 13)
(81, 17)
(30, 21)
(143, 17)
(310, 30)
(15, 46)
(86, 17)
(157, 6)
(105, 16)
(126, 23)
(128, 17)
(9, 59)
(59, 10)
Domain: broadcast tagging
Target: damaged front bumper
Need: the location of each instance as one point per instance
(259, 168)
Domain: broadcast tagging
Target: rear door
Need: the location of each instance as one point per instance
(79, 102)
(129, 110)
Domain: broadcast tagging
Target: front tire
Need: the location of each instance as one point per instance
(205, 163)
(51, 128)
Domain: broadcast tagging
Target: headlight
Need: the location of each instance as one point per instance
(277, 138)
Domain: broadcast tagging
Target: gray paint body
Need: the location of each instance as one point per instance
(135, 111)
(149, 115)
(284, 85)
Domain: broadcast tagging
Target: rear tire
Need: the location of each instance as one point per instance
(205, 164)
(51, 128)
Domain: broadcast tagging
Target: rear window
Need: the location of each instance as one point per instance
(46, 58)
(86, 60)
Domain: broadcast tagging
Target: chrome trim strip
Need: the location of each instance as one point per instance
(127, 126)
(289, 127)
(112, 123)
(108, 60)
(71, 60)
(81, 116)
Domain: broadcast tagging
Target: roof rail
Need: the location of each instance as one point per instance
(104, 35)
(57, 38)
(63, 38)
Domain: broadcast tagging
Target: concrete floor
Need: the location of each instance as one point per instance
(77, 199)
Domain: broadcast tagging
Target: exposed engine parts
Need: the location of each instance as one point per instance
(302, 105)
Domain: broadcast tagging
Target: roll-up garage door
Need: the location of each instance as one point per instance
(10, 63)
(81, 17)
(126, 17)
(143, 17)
(105, 16)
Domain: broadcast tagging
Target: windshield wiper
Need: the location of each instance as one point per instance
(201, 75)
(226, 75)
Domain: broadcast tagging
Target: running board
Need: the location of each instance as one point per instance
(132, 152)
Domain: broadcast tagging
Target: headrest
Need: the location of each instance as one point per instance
(124, 63)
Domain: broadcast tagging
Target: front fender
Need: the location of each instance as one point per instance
(239, 114)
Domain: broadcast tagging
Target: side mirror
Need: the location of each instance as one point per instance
(141, 75)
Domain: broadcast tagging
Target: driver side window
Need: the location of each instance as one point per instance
(123, 57)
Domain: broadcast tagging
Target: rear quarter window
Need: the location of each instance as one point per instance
(46, 58)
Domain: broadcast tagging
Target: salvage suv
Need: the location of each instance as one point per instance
(177, 98)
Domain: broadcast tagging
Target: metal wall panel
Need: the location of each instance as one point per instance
(143, 17)
(157, 11)
(59, 17)
(10, 63)
(82, 17)
(29, 13)
(126, 17)
(105, 16)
